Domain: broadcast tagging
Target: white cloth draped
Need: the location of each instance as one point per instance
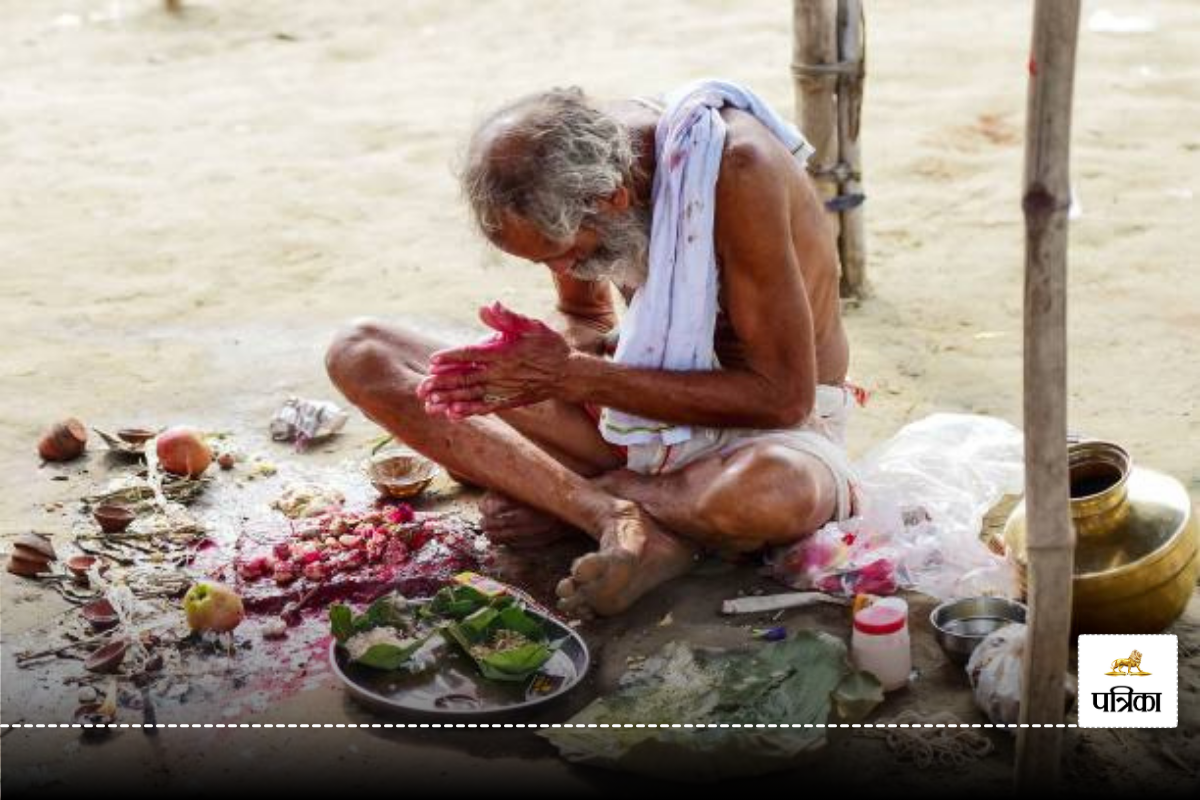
(672, 317)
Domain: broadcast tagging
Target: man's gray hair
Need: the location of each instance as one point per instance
(547, 158)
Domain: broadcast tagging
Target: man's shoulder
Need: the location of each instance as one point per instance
(750, 148)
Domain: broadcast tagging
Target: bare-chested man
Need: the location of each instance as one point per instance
(564, 183)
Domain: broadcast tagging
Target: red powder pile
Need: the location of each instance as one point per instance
(354, 556)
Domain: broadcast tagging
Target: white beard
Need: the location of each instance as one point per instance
(623, 254)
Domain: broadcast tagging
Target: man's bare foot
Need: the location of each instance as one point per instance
(635, 555)
(507, 522)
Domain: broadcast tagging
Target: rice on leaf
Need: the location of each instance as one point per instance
(382, 648)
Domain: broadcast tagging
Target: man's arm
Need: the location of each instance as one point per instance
(767, 305)
(765, 299)
(584, 312)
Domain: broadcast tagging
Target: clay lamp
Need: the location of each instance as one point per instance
(100, 614)
(80, 565)
(135, 436)
(113, 518)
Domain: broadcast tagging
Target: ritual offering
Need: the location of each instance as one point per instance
(212, 607)
(463, 652)
(400, 473)
(182, 451)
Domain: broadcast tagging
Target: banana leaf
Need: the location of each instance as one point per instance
(483, 636)
(389, 656)
(388, 611)
(456, 602)
(384, 637)
(796, 682)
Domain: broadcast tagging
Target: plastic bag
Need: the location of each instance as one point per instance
(995, 672)
(851, 557)
(920, 502)
(304, 421)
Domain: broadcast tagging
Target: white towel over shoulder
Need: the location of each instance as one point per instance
(671, 319)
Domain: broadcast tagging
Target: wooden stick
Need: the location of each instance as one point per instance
(814, 31)
(852, 50)
(25, 658)
(778, 602)
(1047, 492)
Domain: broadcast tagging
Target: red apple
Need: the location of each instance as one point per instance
(182, 451)
(213, 607)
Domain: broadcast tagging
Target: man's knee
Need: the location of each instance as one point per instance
(766, 494)
(362, 352)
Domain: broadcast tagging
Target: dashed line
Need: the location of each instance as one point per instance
(535, 726)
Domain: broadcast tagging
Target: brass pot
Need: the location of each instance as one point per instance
(1137, 542)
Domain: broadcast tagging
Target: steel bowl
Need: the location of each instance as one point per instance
(960, 625)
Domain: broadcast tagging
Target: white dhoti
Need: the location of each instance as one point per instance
(822, 436)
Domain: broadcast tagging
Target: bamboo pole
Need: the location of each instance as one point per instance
(852, 53)
(1051, 543)
(814, 46)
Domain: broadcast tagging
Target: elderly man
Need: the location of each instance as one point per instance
(718, 424)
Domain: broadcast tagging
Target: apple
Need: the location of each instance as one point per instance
(213, 607)
(182, 451)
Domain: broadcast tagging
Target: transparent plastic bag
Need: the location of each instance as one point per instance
(920, 501)
(995, 673)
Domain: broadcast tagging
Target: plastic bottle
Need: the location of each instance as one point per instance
(880, 643)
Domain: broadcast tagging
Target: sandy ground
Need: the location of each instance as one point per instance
(191, 205)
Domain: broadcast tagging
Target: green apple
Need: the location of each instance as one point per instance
(213, 607)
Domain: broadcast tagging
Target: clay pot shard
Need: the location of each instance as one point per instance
(64, 441)
(37, 544)
(25, 567)
(113, 518)
(31, 555)
(107, 658)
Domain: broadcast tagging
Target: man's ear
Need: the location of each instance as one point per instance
(617, 201)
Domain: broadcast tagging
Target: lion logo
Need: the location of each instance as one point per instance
(1129, 665)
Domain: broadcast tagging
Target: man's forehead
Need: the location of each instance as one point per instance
(518, 236)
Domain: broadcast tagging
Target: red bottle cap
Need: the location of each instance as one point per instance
(877, 620)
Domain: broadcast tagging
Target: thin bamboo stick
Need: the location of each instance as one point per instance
(815, 44)
(852, 51)
(1051, 544)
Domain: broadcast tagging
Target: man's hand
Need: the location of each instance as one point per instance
(522, 364)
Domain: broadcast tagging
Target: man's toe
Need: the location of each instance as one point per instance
(589, 568)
